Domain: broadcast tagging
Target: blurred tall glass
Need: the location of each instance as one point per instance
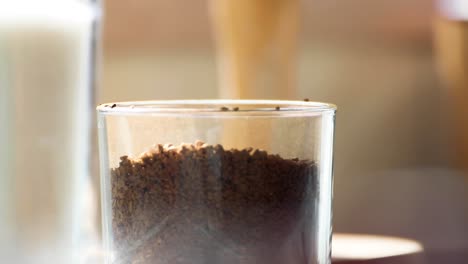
(257, 47)
(451, 42)
(47, 61)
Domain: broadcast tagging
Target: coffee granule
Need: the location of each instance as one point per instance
(200, 203)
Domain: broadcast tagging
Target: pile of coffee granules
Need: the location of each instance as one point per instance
(198, 203)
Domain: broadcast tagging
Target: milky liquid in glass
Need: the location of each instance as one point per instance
(46, 100)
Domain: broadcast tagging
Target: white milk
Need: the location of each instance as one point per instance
(46, 105)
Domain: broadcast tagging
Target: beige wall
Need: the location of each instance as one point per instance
(161, 24)
(156, 24)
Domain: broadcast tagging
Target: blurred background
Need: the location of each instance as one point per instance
(396, 69)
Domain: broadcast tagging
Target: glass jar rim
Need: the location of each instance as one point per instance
(218, 107)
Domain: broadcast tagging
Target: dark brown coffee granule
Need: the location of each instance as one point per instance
(200, 203)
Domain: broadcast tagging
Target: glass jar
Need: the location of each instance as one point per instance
(47, 59)
(216, 181)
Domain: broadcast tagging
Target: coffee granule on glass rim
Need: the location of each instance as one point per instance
(176, 204)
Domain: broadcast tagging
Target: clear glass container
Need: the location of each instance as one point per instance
(47, 59)
(216, 181)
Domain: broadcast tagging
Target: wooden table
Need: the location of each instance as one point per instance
(453, 257)
(371, 249)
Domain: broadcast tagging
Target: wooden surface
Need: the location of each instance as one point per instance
(441, 257)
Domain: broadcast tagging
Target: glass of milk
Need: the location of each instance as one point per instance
(47, 59)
